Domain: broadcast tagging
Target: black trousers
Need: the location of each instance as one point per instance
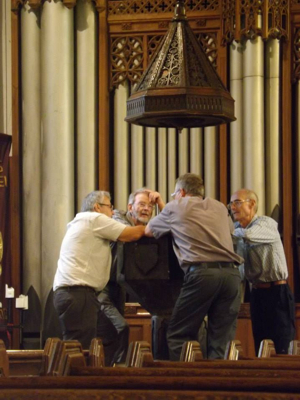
(77, 309)
(273, 316)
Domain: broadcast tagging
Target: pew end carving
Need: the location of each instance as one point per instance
(191, 351)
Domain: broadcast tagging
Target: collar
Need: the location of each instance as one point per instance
(238, 225)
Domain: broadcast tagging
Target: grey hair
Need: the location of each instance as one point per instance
(92, 198)
(191, 183)
(132, 196)
(250, 194)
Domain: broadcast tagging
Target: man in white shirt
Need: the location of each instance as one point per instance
(84, 265)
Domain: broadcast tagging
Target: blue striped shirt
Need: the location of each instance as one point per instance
(261, 247)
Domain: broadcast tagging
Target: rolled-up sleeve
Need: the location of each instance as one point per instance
(161, 224)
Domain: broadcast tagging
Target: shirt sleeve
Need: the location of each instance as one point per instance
(107, 228)
(263, 230)
(161, 224)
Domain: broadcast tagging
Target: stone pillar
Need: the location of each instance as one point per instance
(31, 148)
(58, 197)
(253, 128)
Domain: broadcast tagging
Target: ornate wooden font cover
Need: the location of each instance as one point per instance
(180, 88)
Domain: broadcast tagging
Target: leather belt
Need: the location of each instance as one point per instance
(77, 288)
(221, 264)
(267, 285)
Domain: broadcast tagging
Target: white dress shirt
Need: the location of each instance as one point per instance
(85, 254)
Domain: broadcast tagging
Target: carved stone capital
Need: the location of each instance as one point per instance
(34, 4)
(69, 3)
(16, 5)
(99, 5)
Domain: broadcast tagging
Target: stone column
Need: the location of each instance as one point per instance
(236, 127)
(31, 148)
(196, 151)
(253, 119)
(58, 197)
(183, 156)
(272, 84)
(86, 99)
(162, 163)
(172, 175)
(210, 161)
(137, 159)
(121, 157)
(151, 162)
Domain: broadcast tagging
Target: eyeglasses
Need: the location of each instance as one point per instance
(107, 205)
(144, 205)
(236, 203)
(174, 194)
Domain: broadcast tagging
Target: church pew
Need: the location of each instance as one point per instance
(166, 383)
(267, 350)
(267, 363)
(25, 362)
(124, 394)
(4, 364)
(182, 372)
(191, 351)
(44, 362)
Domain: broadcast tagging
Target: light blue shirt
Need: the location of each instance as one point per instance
(261, 247)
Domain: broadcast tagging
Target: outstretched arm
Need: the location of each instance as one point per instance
(132, 233)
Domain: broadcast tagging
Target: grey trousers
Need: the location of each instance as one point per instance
(113, 330)
(214, 292)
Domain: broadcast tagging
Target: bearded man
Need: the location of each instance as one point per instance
(112, 326)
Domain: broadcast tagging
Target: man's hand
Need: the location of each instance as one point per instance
(155, 198)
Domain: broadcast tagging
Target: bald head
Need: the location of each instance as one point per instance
(244, 205)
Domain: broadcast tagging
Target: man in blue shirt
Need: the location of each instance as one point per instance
(271, 301)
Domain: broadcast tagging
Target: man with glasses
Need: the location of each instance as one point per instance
(271, 301)
(201, 230)
(84, 265)
(112, 326)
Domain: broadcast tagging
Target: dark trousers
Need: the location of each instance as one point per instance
(77, 309)
(206, 291)
(273, 316)
(112, 326)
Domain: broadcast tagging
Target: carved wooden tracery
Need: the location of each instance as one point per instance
(133, 7)
(296, 54)
(127, 56)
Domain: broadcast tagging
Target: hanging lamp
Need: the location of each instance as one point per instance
(180, 88)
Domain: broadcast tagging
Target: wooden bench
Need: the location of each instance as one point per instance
(158, 387)
(222, 379)
(45, 362)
